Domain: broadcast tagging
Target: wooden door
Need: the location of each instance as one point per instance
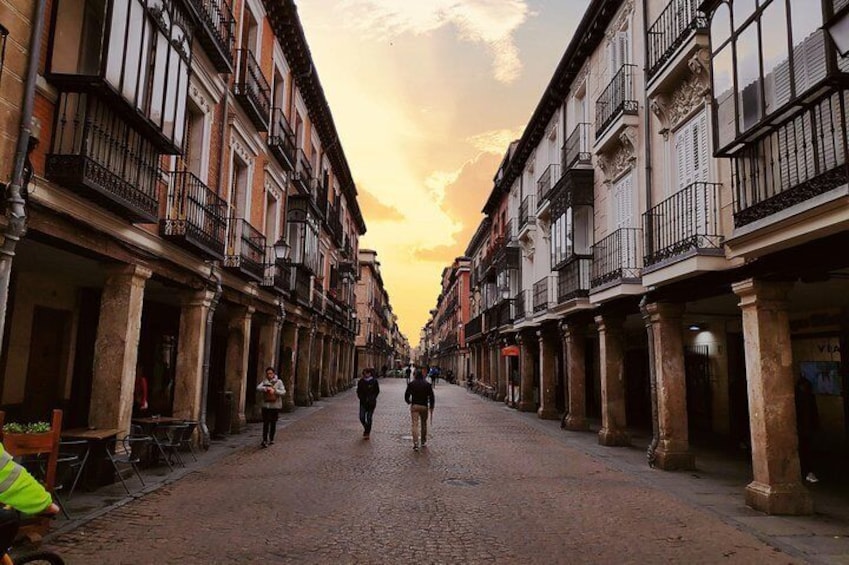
(48, 355)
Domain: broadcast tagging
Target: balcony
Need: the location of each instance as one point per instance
(576, 150)
(527, 209)
(616, 259)
(252, 90)
(506, 312)
(318, 299)
(617, 100)
(490, 318)
(281, 140)
(278, 274)
(334, 224)
(546, 182)
(303, 172)
(245, 249)
(544, 294)
(573, 280)
(473, 328)
(523, 302)
(300, 284)
(195, 218)
(214, 31)
(686, 223)
(671, 31)
(99, 156)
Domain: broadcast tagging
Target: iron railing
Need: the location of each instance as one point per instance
(334, 224)
(573, 280)
(473, 328)
(318, 298)
(687, 220)
(303, 171)
(576, 150)
(617, 257)
(278, 274)
(506, 312)
(546, 182)
(300, 284)
(245, 248)
(490, 318)
(511, 233)
(544, 294)
(796, 161)
(526, 211)
(670, 30)
(251, 88)
(281, 139)
(617, 99)
(195, 214)
(216, 34)
(523, 302)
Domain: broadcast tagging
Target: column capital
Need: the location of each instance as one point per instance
(130, 270)
(202, 298)
(763, 293)
(657, 311)
(609, 323)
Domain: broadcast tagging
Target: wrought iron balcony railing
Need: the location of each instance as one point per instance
(670, 31)
(318, 298)
(526, 210)
(506, 312)
(278, 274)
(798, 160)
(300, 284)
(523, 304)
(617, 99)
(544, 291)
(573, 280)
(252, 90)
(303, 172)
(334, 224)
(686, 221)
(511, 233)
(245, 249)
(490, 318)
(195, 217)
(576, 150)
(546, 182)
(215, 31)
(100, 156)
(473, 328)
(617, 258)
(281, 140)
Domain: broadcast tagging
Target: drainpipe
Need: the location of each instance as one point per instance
(214, 279)
(16, 216)
(651, 453)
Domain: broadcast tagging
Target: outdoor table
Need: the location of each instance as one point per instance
(98, 471)
(149, 424)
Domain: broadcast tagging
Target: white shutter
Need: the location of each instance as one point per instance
(622, 201)
(624, 46)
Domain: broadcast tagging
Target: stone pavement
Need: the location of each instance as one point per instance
(492, 486)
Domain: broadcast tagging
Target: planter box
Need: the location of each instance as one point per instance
(17, 443)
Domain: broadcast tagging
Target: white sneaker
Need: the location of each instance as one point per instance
(811, 478)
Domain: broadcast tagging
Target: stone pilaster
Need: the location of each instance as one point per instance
(526, 370)
(548, 383)
(501, 389)
(266, 357)
(236, 363)
(188, 380)
(317, 365)
(612, 362)
(302, 373)
(777, 486)
(326, 366)
(673, 449)
(288, 352)
(116, 347)
(574, 345)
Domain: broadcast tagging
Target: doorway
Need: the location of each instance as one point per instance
(48, 359)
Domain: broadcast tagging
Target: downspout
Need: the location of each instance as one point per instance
(651, 453)
(16, 217)
(214, 279)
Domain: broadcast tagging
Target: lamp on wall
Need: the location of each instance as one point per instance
(282, 250)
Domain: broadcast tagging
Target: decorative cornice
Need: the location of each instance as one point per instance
(620, 19)
(621, 158)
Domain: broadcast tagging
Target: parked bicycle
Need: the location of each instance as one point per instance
(35, 557)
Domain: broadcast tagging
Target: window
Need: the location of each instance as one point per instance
(691, 152)
(622, 203)
(571, 235)
(239, 192)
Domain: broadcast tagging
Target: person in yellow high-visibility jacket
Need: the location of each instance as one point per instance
(20, 491)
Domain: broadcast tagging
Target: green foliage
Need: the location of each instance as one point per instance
(34, 428)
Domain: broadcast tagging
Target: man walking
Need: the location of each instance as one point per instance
(419, 395)
(367, 391)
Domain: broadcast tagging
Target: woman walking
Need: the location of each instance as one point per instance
(272, 390)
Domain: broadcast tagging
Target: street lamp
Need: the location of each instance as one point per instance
(281, 250)
(838, 29)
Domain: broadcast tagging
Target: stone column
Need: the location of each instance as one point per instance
(266, 357)
(188, 378)
(288, 347)
(673, 449)
(548, 385)
(501, 388)
(526, 370)
(612, 362)
(236, 363)
(777, 486)
(574, 345)
(326, 366)
(302, 376)
(317, 364)
(333, 370)
(116, 347)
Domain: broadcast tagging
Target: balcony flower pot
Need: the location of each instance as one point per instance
(29, 437)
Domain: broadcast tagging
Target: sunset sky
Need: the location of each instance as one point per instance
(426, 96)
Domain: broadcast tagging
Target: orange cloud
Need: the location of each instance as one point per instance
(376, 211)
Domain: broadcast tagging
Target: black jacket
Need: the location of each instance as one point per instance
(419, 392)
(367, 391)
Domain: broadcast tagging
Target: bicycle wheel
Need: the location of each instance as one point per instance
(39, 557)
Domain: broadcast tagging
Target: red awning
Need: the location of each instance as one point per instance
(510, 351)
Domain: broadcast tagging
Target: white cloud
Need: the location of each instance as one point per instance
(495, 141)
(490, 22)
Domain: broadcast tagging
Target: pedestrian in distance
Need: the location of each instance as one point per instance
(272, 390)
(367, 392)
(407, 372)
(419, 395)
(807, 424)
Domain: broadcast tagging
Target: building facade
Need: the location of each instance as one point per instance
(379, 342)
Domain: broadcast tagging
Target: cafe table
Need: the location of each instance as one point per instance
(98, 471)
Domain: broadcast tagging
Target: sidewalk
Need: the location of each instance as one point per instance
(86, 506)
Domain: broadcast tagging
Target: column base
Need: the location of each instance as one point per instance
(675, 460)
(525, 406)
(576, 424)
(613, 438)
(288, 406)
(548, 414)
(302, 400)
(239, 424)
(788, 499)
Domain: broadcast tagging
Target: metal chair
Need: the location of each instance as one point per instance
(132, 448)
(187, 440)
(168, 439)
(73, 455)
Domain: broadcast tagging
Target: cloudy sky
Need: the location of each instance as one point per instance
(426, 96)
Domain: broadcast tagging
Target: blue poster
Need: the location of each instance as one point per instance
(824, 376)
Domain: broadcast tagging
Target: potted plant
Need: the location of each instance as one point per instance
(37, 435)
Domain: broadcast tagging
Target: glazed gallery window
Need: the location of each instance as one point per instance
(303, 237)
(571, 235)
(765, 54)
(141, 49)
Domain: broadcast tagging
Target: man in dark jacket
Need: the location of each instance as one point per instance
(367, 391)
(419, 395)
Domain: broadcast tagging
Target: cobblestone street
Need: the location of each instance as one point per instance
(489, 487)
